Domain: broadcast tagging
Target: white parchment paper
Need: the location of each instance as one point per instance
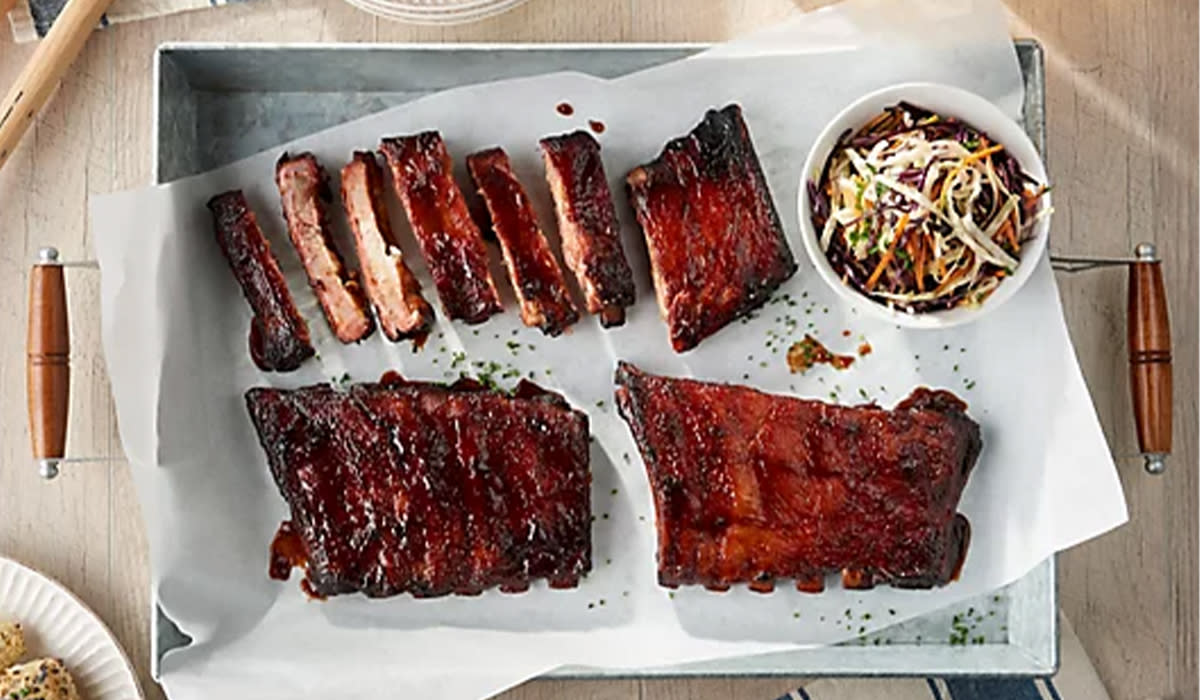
(175, 329)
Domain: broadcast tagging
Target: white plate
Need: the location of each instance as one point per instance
(59, 625)
(439, 5)
(443, 9)
(460, 15)
(385, 9)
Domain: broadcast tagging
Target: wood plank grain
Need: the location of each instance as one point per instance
(718, 688)
(698, 20)
(60, 528)
(535, 21)
(577, 690)
(1123, 154)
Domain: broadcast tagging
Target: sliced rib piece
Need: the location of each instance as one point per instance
(750, 487)
(279, 339)
(402, 487)
(395, 292)
(450, 241)
(717, 249)
(535, 275)
(587, 223)
(303, 190)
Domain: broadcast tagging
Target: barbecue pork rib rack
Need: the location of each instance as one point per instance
(717, 248)
(751, 487)
(303, 192)
(279, 338)
(451, 243)
(394, 291)
(417, 488)
(536, 278)
(587, 224)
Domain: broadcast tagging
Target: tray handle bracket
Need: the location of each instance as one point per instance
(48, 362)
(1149, 337)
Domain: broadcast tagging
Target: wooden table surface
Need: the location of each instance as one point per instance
(1122, 105)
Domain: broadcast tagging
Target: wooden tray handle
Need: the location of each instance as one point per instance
(47, 367)
(1150, 358)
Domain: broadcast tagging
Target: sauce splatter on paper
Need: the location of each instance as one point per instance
(808, 352)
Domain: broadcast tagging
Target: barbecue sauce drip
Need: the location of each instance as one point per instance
(565, 109)
(596, 126)
(287, 552)
(808, 352)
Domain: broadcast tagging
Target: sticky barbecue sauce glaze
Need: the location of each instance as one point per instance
(804, 354)
(287, 552)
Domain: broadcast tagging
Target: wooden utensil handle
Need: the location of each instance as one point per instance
(48, 369)
(54, 54)
(5, 6)
(1150, 358)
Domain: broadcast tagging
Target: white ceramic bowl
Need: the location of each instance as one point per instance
(947, 101)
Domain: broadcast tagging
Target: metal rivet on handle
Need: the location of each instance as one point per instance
(48, 468)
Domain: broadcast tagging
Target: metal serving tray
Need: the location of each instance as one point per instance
(215, 103)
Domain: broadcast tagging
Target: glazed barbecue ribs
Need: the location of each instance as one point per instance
(751, 487)
(394, 291)
(279, 339)
(536, 278)
(418, 488)
(451, 243)
(303, 190)
(587, 224)
(717, 248)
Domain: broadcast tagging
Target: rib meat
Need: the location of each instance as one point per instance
(751, 487)
(536, 278)
(279, 339)
(411, 487)
(395, 293)
(587, 223)
(303, 189)
(450, 241)
(717, 248)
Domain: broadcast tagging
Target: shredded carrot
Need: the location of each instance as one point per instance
(958, 271)
(1006, 233)
(980, 154)
(891, 251)
(877, 121)
(1012, 231)
(919, 261)
(954, 275)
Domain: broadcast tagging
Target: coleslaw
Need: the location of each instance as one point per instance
(922, 212)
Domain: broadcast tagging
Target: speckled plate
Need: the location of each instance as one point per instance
(57, 624)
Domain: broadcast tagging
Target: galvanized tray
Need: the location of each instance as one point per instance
(215, 103)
